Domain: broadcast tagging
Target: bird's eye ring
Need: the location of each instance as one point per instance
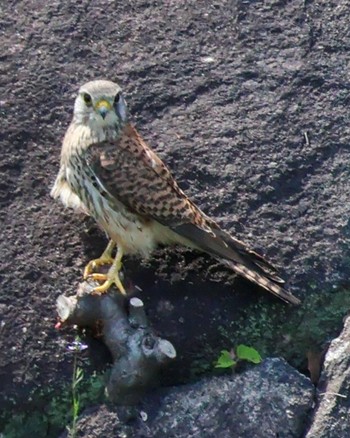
(87, 99)
(117, 98)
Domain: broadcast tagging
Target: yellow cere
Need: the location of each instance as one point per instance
(103, 104)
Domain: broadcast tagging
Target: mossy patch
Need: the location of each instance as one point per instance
(49, 412)
(285, 331)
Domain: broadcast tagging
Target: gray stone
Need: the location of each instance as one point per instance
(267, 401)
(332, 415)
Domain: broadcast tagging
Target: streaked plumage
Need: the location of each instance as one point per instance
(110, 173)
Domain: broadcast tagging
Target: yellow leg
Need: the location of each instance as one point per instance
(105, 259)
(112, 276)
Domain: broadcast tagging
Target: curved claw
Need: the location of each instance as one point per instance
(93, 264)
(105, 259)
(97, 277)
(99, 290)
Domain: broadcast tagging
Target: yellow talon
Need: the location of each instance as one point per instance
(107, 284)
(112, 276)
(105, 259)
(98, 277)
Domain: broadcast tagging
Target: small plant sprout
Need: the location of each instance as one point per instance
(229, 359)
(248, 353)
(226, 359)
(75, 347)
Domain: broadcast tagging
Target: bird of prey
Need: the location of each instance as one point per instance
(108, 171)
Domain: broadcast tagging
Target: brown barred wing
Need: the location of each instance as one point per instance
(130, 172)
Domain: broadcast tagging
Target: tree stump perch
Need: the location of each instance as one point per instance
(138, 354)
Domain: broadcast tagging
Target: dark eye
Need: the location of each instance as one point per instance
(87, 99)
(117, 98)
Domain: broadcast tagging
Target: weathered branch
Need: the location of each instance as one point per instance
(137, 352)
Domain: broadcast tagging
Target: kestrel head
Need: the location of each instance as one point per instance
(100, 104)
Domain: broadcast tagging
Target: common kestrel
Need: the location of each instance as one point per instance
(109, 172)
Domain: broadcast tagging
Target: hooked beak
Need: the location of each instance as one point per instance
(103, 107)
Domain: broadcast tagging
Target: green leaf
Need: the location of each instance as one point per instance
(76, 406)
(79, 375)
(248, 353)
(225, 360)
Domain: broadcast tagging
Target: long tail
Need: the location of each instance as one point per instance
(262, 281)
(237, 257)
